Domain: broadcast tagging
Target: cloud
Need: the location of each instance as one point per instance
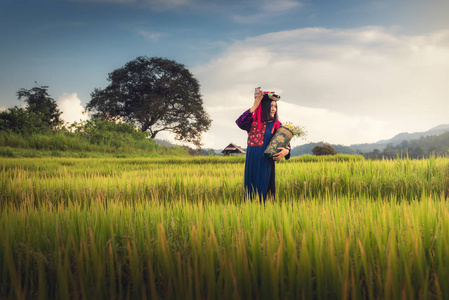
(157, 5)
(149, 34)
(333, 127)
(279, 5)
(241, 11)
(71, 108)
(356, 85)
(264, 9)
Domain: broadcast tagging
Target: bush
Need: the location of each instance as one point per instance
(11, 139)
(40, 142)
(96, 137)
(6, 152)
(325, 149)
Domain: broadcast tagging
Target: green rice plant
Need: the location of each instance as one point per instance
(212, 179)
(181, 228)
(315, 248)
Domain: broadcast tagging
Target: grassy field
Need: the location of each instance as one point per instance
(179, 228)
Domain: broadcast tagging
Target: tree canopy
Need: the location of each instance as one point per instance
(155, 94)
(42, 105)
(41, 113)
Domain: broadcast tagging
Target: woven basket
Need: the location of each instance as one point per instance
(280, 140)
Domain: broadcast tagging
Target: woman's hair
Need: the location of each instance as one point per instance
(265, 106)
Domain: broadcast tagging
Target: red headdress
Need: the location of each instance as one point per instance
(257, 116)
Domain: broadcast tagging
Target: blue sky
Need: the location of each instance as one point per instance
(350, 71)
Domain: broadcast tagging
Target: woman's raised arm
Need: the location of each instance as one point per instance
(256, 102)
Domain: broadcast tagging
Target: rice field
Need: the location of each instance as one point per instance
(179, 228)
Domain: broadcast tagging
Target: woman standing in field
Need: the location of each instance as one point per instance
(261, 122)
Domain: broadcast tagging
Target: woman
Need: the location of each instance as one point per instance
(261, 122)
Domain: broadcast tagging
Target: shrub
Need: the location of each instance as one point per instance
(6, 152)
(11, 139)
(324, 149)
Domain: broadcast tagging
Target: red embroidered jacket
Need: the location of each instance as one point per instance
(255, 137)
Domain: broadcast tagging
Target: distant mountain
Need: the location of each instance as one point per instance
(440, 129)
(397, 139)
(380, 145)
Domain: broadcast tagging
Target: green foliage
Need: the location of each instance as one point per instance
(41, 105)
(155, 94)
(113, 134)
(21, 121)
(6, 152)
(40, 115)
(90, 138)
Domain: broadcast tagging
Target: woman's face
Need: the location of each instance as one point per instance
(273, 108)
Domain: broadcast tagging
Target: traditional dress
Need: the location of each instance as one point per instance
(259, 168)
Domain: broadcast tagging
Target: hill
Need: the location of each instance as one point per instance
(399, 138)
(433, 139)
(417, 148)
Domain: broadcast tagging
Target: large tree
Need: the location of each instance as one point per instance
(42, 106)
(155, 94)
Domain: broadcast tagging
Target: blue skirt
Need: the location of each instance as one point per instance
(260, 170)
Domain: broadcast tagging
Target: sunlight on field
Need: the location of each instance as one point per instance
(179, 228)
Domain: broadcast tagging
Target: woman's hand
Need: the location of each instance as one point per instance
(256, 102)
(280, 155)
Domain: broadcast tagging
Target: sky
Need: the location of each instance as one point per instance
(350, 71)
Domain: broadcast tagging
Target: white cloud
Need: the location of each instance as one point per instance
(354, 85)
(71, 108)
(333, 127)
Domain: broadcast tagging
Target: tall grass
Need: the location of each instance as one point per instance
(179, 228)
(76, 144)
(307, 248)
(212, 180)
